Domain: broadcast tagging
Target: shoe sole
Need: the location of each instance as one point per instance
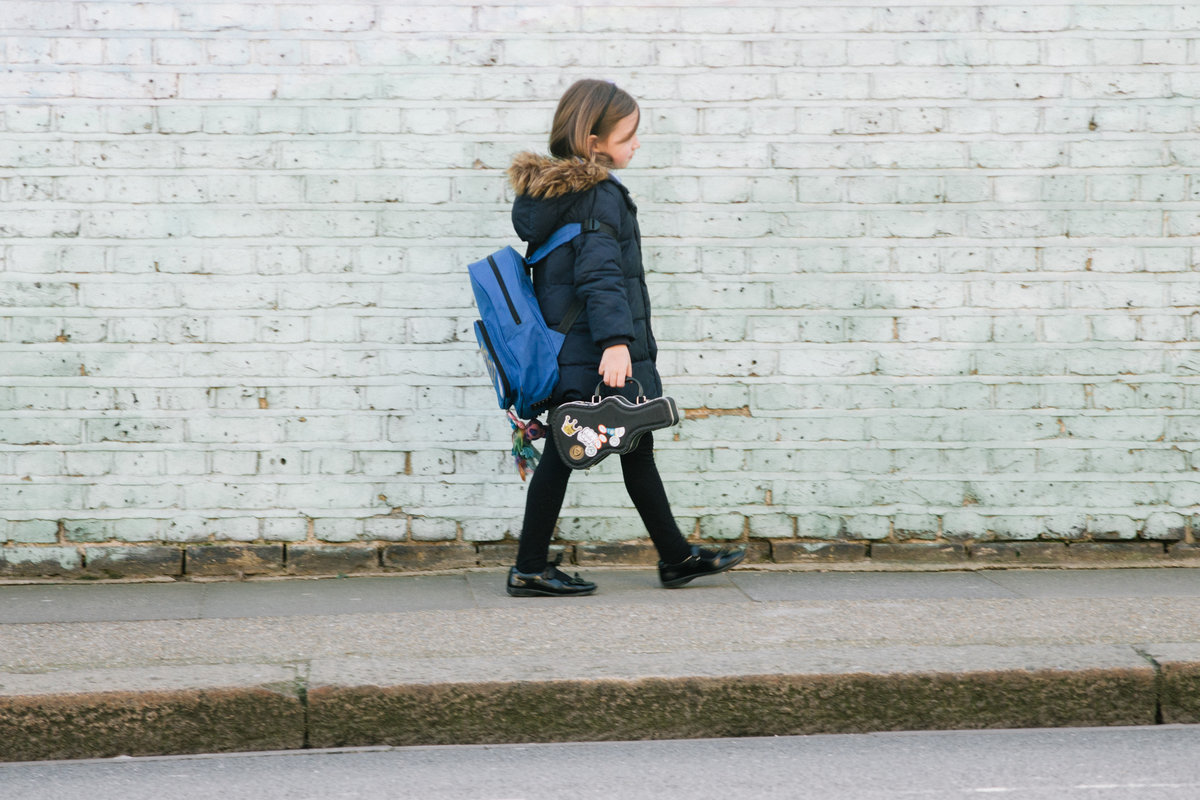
(675, 584)
(536, 593)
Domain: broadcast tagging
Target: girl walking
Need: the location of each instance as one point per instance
(594, 131)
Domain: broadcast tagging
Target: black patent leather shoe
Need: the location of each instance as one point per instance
(702, 561)
(550, 582)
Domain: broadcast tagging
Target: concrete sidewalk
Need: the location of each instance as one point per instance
(154, 668)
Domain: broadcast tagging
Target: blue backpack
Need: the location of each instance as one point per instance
(520, 350)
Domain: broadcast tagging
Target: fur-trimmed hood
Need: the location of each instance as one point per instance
(545, 178)
(552, 192)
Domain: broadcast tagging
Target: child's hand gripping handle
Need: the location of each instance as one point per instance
(616, 365)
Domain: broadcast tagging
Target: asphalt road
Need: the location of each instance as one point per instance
(1152, 763)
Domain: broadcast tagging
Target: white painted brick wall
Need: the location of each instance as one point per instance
(920, 269)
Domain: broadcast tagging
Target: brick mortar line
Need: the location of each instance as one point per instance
(713, 347)
(504, 35)
(659, 279)
(746, 36)
(693, 207)
(1102, 103)
(691, 4)
(474, 381)
(767, 68)
(101, 314)
(897, 243)
(498, 447)
(789, 174)
(764, 31)
(757, 412)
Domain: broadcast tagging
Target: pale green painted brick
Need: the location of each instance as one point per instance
(1110, 460)
(136, 530)
(683, 461)
(432, 462)
(1164, 259)
(972, 396)
(1063, 395)
(1063, 460)
(606, 528)
(1005, 461)
(1066, 526)
(33, 531)
(489, 530)
(235, 529)
(1112, 526)
(1165, 525)
(1161, 396)
(338, 530)
(817, 525)
(289, 529)
(967, 329)
(1016, 396)
(1161, 461)
(185, 528)
(434, 529)
(1109, 395)
(388, 529)
(722, 526)
(1113, 328)
(724, 459)
(1015, 528)
(964, 525)
(862, 526)
(772, 526)
(88, 530)
(915, 526)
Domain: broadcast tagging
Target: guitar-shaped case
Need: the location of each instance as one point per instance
(586, 433)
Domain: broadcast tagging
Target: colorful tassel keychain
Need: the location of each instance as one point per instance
(524, 435)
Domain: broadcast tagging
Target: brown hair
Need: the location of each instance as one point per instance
(588, 107)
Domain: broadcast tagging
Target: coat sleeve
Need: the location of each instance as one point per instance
(599, 280)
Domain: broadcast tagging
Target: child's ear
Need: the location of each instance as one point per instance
(592, 141)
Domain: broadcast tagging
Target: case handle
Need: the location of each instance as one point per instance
(641, 395)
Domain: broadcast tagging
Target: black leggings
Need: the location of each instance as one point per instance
(549, 485)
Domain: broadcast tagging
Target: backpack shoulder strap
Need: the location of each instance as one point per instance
(560, 237)
(568, 232)
(573, 312)
(591, 225)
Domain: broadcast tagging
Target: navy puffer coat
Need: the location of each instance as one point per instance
(604, 272)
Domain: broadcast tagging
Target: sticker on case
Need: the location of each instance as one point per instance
(592, 441)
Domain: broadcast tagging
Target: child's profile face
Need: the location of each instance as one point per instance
(621, 142)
